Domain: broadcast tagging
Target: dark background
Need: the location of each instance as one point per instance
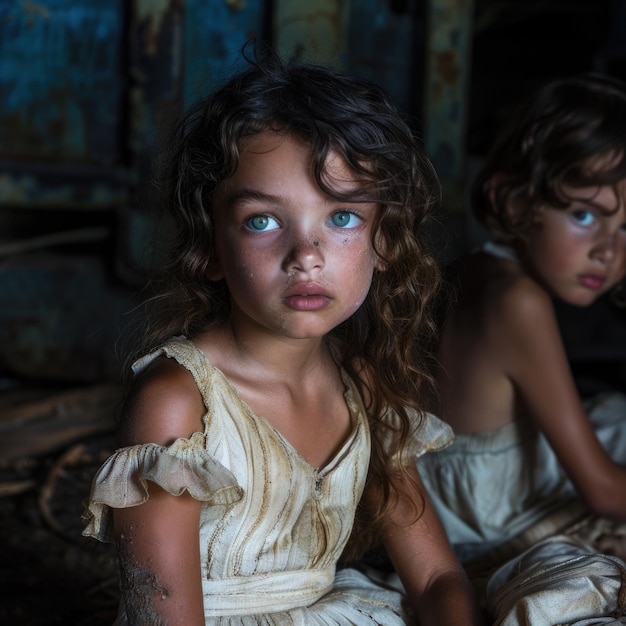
(87, 87)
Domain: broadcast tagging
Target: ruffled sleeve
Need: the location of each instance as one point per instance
(183, 466)
(428, 434)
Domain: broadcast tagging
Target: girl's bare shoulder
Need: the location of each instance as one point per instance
(163, 404)
(503, 291)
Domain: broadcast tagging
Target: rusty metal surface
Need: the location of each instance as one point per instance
(60, 318)
(448, 69)
(59, 82)
(61, 103)
(155, 75)
(314, 31)
(87, 88)
(384, 45)
(215, 31)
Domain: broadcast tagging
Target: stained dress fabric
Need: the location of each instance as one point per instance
(518, 527)
(272, 527)
(492, 487)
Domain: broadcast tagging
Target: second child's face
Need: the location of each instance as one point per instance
(296, 261)
(579, 253)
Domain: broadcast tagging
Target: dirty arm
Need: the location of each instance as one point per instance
(158, 541)
(159, 559)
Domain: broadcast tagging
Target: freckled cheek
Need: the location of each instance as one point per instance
(359, 259)
(241, 274)
(249, 274)
(358, 268)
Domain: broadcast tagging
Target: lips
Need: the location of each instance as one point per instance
(307, 297)
(592, 281)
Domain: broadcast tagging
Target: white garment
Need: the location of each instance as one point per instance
(272, 527)
(490, 487)
(559, 581)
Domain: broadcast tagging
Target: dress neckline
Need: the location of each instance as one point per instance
(355, 410)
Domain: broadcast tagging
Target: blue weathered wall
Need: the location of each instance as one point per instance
(61, 101)
(60, 84)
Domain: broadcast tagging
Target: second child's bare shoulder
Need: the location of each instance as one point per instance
(516, 313)
(163, 404)
(504, 291)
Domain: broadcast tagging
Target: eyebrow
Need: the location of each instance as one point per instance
(244, 194)
(593, 203)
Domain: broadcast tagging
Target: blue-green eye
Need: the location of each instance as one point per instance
(261, 223)
(345, 219)
(584, 217)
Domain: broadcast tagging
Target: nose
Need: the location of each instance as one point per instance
(305, 255)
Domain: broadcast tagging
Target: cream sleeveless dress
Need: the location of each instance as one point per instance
(272, 527)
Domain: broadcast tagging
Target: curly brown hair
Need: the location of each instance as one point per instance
(353, 117)
(549, 142)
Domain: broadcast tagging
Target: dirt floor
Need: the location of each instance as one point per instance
(47, 578)
(50, 447)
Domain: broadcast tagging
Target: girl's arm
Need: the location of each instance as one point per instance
(535, 360)
(436, 585)
(158, 541)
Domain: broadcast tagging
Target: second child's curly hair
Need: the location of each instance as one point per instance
(550, 141)
(354, 118)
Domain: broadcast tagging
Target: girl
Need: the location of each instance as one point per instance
(529, 461)
(281, 353)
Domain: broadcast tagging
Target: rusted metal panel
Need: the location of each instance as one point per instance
(314, 31)
(448, 69)
(59, 82)
(60, 318)
(381, 41)
(61, 310)
(155, 75)
(61, 102)
(370, 38)
(214, 35)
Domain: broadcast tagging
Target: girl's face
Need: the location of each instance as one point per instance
(579, 253)
(296, 261)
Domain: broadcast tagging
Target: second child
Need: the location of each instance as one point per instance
(530, 460)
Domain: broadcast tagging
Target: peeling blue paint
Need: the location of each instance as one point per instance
(215, 32)
(379, 48)
(60, 88)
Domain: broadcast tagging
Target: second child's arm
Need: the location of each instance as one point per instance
(436, 585)
(537, 365)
